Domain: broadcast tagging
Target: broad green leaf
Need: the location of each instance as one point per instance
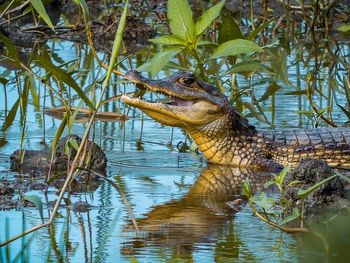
(344, 29)
(295, 214)
(11, 116)
(11, 49)
(253, 34)
(229, 30)
(168, 40)
(304, 193)
(36, 200)
(246, 189)
(180, 19)
(208, 17)
(39, 7)
(162, 58)
(61, 75)
(235, 47)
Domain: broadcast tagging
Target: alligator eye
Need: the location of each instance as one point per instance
(187, 81)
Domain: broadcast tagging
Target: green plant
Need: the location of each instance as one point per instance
(277, 210)
(188, 40)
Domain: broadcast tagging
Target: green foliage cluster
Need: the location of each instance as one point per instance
(188, 39)
(279, 210)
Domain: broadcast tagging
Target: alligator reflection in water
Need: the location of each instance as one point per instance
(200, 214)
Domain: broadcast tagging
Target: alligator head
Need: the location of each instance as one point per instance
(194, 103)
(201, 110)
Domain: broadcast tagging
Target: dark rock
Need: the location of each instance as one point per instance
(41, 159)
(81, 207)
(6, 189)
(308, 173)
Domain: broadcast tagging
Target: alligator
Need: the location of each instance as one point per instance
(224, 136)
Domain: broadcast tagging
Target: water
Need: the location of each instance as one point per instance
(178, 199)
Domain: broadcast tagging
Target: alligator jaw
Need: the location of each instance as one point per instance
(159, 88)
(188, 105)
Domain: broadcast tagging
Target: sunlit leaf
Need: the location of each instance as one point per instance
(236, 47)
(36, 200)
(11, 116)
(229, 30)
(39, 7)
(280, 177)
(344, 29)
(304, 193)
(161, 59)
(168, 40)
(62, 75)
(208, 17)
(180, 19)
(246, 189)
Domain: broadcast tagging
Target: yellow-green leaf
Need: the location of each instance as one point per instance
(236, 47)
(208, 17)
(168, 40)
(180, 19)
(161, 59)
(39, 7)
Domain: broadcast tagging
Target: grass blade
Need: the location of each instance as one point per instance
(39, 7)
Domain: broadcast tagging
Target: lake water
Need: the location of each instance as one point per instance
(178, 199)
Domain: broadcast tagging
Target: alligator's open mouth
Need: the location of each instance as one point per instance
(185, 102)
(158, 88)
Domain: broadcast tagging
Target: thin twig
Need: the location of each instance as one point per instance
(288, 230)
